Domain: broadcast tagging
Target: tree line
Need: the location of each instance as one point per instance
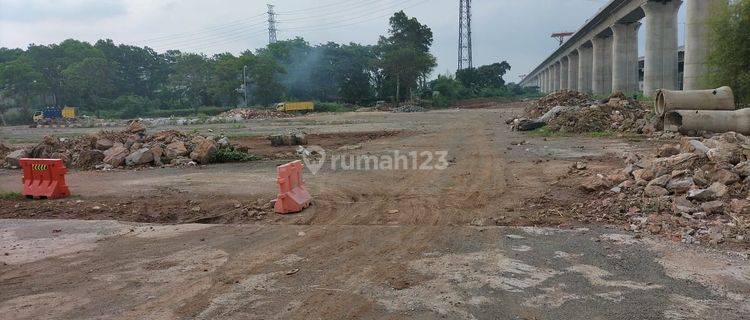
(110, 80)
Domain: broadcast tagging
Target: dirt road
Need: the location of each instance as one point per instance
(376, 244)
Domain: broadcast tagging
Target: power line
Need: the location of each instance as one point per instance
(324, 7)
(228, 24)
(368, 17)
(211, 36)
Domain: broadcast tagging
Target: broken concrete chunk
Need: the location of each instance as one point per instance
(13, 158)
(115, 156)
(655, 191)
(176, 149)
(667, 150)
(104, 144)
(139, 157)
(661, 181)
(702, 195)
(680, 185)
(719, 189)
(204, 151)
(681, 205)
(135, 127)
(713, 207)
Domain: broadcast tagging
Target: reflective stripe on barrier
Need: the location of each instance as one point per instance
(293, 196)
(44, 178)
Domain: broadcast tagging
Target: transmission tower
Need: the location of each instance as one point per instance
(464, 34)
(271, 24)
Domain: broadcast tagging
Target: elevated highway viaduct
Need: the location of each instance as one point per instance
(602, 56)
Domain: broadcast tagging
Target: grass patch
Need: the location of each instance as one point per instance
(544, 132)
(9, 195)
(330, 107)
(601, 134)
(547, 132)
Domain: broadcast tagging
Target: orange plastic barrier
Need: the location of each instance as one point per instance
(44, 178)
(293, 197)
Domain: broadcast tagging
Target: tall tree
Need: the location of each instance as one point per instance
(729, 58)
(91, 80)
(21, 82)
(403, 57)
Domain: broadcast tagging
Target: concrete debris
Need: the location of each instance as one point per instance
(288, 139)
(176, 149)
(13, 158)
(409, 109)
(575, 112)
(260, 114)
(203, 152)
(697, 184)
(139, 157)
(132, 147)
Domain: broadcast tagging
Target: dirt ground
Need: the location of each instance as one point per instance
(465, 242)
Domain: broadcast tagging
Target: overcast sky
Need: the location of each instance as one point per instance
(514, 30)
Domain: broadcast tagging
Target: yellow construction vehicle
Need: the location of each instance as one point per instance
(295, 106)
(55, 115)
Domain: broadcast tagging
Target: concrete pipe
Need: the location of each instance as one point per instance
(716, 121)
(716, 99)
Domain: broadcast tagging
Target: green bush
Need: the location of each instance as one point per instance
(330, 107)
(230, 154)
(14, 117)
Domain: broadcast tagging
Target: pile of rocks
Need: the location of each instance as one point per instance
(695, 191)
(129, 148)
(559, 98)
(408, 109)
(246, 113)
(615, 115)
(577, 113)
(4, 150)
(296, 138)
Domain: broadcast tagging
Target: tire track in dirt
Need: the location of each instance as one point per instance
(471, 187)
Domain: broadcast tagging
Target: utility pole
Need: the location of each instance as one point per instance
(464, 34)
(271, 24)
(244, 85)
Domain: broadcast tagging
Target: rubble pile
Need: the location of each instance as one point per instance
(4, 150)
(697, 191)
(620, 116)
(288, 139)
(246, 113)
(560, 98)
(132, 147)
(575, 112)
(408, 109)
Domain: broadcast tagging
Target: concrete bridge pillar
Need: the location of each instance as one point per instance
(697, 41)
(553, 77)
(550, 86)
(573, 71)
(556, 76)
(619, 57)
(661, 70)
(564, 65)
(633, 78)
(585, 69)
(602, 73)
(544, 80)
(625, 57)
